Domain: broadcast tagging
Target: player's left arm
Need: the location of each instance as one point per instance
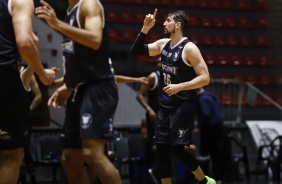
(193, 57)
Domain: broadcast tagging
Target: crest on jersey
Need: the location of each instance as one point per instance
(181, 132)
(169, 54)
(86, 120)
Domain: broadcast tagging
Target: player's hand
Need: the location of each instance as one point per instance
(48, 76)
(47, 13)
(171, 89)
(150, 20)
(152, 115)
(143, 80)
(59, 97)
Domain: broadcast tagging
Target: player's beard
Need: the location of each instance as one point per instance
(167, 33)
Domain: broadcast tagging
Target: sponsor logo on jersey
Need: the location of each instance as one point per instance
(164, 52)
(169, 69)
(86, 120)
(68, 46)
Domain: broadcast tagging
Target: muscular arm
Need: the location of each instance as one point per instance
(22, 13)
(90, 33)
(193, 56)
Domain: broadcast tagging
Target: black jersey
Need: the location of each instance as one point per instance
(174, 71)
(153, 92)
(82, 63)
(9, 54)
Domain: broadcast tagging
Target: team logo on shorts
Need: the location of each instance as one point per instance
(86, 120)
(181, 132)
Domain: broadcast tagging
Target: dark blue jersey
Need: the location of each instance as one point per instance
(82, 63)
(153, 92)
(9, 54)
(175, 70)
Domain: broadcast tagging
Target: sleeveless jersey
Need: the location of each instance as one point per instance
(153, 92)
(82, 63)
(9, 54)
(175, 70)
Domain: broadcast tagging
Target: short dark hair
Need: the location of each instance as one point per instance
(180, 16)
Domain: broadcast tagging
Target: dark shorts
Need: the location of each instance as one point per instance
(14, 110)
(91, 114)
(175, 126)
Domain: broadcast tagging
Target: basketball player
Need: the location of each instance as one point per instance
(16, 43)
(182, 71)
(89, 88)
(151, 106)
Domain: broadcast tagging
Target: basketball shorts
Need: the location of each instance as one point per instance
(14, 111)
(89, 114)
(175, 126)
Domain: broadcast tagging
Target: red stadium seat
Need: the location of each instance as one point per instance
(114, 35)
(252, 79)
(112, 16)
(227, 99)
(227, 4)
(128, 36)
(265, 80)
(262, 22)
(196, 39)
(223, 59)
(278, 98)
(263, 60)
(194, 21)
(238, 77)
(262, 101)
(193, 3)
(218, 21)
(210, 59)
(139, 17)
(242, 5)
(230, 22)
(204, 3)
(261, 4)
(219, 40)
(215, 4)
(245, 41)
(262, 41)
(244, 22)
(232, 40)
(279, 79)
(206, 21)
(207, 39)
(236, 59)
(126, 17)
(249, 60)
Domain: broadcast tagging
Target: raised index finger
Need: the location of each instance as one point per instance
(155, 12)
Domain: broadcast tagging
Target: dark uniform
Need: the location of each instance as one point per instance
(92, 104)
(14, 108)
(177, 112)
